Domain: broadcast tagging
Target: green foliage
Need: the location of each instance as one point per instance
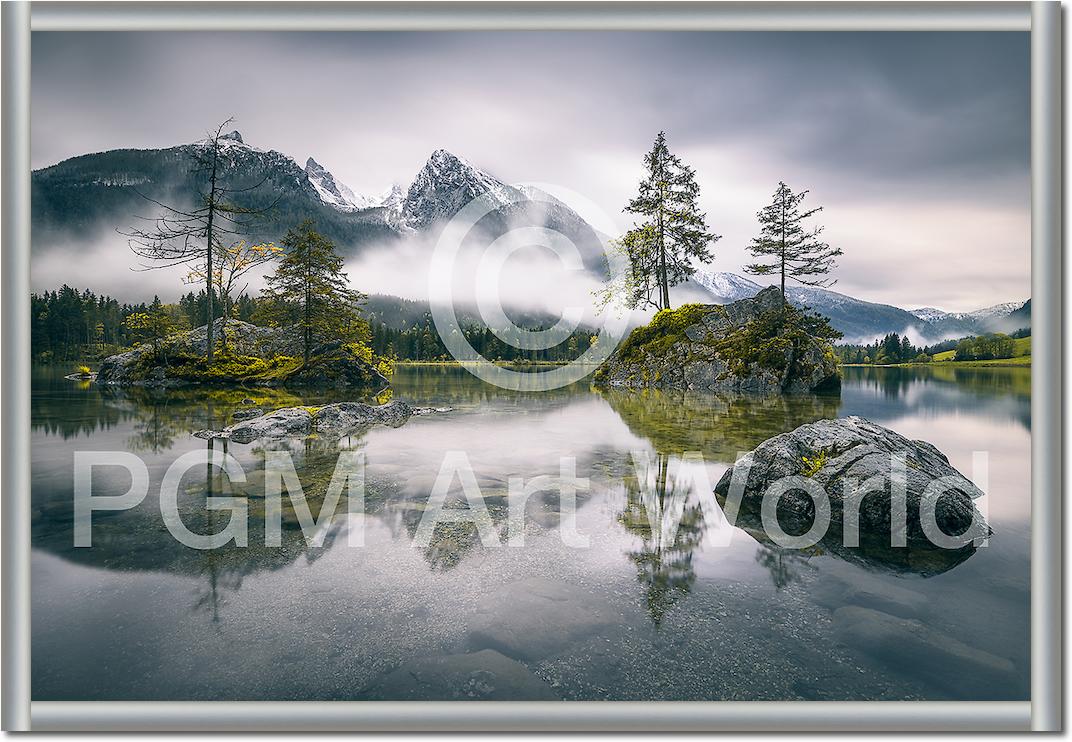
(770, 341)
(985, 348)
(154, 324)
(891, 349)
(662, 249)
(786, 248)
(812, 465)
(665, 330)
(773, 339)
(68, 324)
(309, 291)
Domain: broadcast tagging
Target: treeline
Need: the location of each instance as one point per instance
(894, 348)
(985, 348)
(69, 325)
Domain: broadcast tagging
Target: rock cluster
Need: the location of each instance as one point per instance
(333, 419)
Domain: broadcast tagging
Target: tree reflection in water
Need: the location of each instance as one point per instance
(784, 566)
(661, 511)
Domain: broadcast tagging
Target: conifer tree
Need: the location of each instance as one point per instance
(673, 233)
(787, 247)
(309, 291)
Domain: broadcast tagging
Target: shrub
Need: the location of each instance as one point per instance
(812, 465)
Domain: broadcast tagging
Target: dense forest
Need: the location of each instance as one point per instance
(69, 325)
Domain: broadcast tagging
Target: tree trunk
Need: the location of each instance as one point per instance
(663, 284)
(208, 252)
(784, 302)
(308, 306)
(226, 318)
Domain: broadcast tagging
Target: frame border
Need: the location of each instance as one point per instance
(1043, 712)
(1047, 481)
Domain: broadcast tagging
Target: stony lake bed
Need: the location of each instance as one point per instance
(626, 618)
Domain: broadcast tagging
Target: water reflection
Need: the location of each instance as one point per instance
(662, 512)
(677, 619)
(891, 393)
(717, 425)
(785, 567)
(874, 553)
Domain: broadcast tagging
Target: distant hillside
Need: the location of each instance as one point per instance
(863, 321)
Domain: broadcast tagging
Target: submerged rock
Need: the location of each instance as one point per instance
(333, 419)
(850, 451)
(479, 676)
(536, 618)
(709, 347)
(914, 649)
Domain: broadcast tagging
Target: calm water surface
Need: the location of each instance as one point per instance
(634, 616)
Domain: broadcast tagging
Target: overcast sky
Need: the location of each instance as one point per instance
(915, 144)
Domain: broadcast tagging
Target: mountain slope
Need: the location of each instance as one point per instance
(334, 193)
(863, 320)
(99, 193)
(85, 197)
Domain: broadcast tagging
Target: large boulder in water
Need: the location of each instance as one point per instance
(739, 347)
(838, 455)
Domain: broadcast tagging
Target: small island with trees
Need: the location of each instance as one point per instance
(762, 344)
(309, 328)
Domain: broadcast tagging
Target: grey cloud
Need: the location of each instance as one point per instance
(862, 119)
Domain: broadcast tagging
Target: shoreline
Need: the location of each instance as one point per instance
(1015, 362)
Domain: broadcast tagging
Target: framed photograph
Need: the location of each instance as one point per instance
(532, 366)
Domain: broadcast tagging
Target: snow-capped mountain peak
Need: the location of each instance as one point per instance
(232, 141)
(332, 192)
(929, 314)
(727, 286)
(998, 310)
(444, 185)
(393, 198)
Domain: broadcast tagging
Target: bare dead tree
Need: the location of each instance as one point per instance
(179, 236)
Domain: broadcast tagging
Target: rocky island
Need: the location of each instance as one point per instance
(757, 345)
(254, 355)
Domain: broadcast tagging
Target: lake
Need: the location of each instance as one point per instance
(632, 616)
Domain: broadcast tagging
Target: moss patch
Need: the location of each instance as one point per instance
(225, 368)
(665, 330)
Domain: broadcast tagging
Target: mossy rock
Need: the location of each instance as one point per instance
(753, 345)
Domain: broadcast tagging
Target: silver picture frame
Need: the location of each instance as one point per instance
(1042, 713)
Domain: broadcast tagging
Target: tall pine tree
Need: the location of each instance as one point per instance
(790, 249)
(309, 291)
(673, 232)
